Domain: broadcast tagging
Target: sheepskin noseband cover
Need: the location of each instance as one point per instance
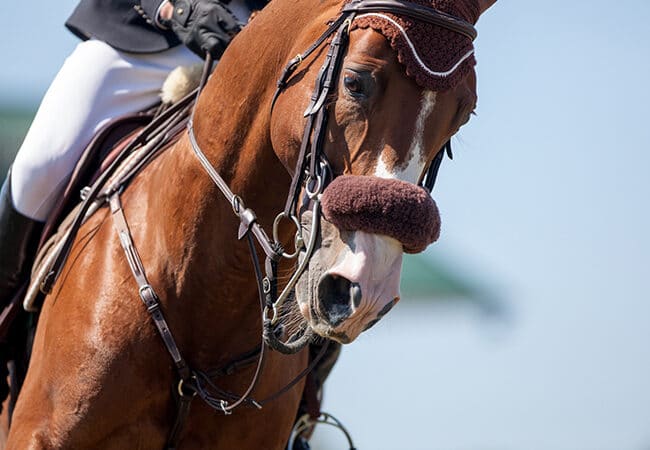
(390, 207)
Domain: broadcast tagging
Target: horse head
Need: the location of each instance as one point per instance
(401, 89)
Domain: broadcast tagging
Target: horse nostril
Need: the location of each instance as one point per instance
(336, 296)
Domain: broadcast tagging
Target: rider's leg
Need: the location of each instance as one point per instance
(95, 84)
(18, 241)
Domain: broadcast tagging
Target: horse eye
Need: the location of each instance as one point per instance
(356, 84)
(352, 84)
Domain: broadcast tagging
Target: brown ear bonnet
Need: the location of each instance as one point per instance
(401, 210)
(436, 58)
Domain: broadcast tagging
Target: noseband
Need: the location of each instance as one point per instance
(388, 207)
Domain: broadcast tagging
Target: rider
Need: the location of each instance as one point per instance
(128, 49)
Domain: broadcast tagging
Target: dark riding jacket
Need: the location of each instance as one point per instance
(128, 25)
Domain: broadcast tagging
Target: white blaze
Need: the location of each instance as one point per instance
(414, 165)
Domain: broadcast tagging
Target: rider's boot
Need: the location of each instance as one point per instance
(18, 241)
(19, 237)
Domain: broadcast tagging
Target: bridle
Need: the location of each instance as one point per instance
(311, 176)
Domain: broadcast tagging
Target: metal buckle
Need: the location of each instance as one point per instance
(150, 300)
(266, 285)
(313, 193)
(237, 204)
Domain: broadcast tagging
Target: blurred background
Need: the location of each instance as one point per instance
(528, 325)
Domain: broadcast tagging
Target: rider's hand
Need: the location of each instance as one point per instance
(204, 26)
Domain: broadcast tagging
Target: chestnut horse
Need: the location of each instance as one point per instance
(100, 376)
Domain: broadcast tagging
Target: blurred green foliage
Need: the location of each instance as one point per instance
(13, 127)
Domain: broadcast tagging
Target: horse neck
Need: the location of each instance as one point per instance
(189, 238)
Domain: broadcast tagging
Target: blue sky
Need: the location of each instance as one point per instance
(546, 201)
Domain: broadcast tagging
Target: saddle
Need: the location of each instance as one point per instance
(111, 160)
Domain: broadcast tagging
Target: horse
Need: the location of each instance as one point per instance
(101, 377)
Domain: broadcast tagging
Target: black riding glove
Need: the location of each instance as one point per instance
(204, 26)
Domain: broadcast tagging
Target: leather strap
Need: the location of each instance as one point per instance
(316, 114)
(184, 402)
(146, 291)
(248, 219)
(432, 172)
(152, 303)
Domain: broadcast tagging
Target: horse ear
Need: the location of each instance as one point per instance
(485, 4)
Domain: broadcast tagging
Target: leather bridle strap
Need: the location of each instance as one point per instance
(312, 137)
(247, 217)
(432, 172)
(293, 64)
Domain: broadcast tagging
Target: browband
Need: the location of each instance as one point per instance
(414, 11)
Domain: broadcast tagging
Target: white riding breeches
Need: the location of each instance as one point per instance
(95, 84)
